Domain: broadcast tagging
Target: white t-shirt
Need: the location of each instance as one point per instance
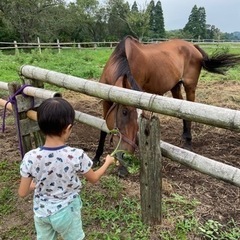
(54, 170)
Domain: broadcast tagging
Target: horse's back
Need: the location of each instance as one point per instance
(175, 48)
(158, 67)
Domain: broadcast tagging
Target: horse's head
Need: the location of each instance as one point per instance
(124, 119)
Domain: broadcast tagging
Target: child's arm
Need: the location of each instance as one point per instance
(26, 186)
(94, 176)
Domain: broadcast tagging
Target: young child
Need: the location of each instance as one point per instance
(51, 171)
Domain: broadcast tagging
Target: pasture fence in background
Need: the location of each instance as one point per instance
(56, 45)
(210, 115)
(211, 43)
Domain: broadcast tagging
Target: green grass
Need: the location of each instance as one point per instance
(110, 213)
(232, 74)
(9, 172)
(82, 63)
(86, 64)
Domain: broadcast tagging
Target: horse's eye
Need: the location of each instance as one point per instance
(125, 112)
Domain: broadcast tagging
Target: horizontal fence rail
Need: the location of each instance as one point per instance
(34, 91)
(104, 44)
(4, 85)
(197, 112)
(66, 45)
(29, 91)
(40, 93)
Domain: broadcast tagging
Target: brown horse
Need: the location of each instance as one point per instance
(155, 68)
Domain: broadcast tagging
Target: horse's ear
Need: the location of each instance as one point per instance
(121, 82)
(125, 83)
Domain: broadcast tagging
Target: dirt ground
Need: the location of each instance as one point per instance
(219, 200)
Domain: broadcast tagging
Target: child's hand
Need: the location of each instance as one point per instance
(32, 186)
(109, 159)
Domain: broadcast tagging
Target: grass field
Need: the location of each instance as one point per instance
(84, 63)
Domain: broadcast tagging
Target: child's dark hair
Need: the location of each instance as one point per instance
(54, 115)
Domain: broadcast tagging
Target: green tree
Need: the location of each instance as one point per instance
(202, 22)
(87, 20)
(92, 19)
(156, 21)
(179, 33)
(134, 7)
(117, 11)
(7, 32)
(212, 32)
(151, 11)
(27, 16)
(101, 25)
(159, 28)
(196, 25)
(52, 25)
(138, 23)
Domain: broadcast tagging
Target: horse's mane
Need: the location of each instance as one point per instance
(119, 58)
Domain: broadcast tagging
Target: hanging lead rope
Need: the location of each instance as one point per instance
(13, 101)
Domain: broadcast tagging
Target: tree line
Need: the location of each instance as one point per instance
(89, 20)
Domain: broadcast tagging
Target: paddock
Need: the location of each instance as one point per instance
(192, 181)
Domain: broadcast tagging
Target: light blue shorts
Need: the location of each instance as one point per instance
(67, 223)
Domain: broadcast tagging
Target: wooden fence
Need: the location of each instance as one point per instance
(210, 115)
(57, 45)
(197, 112)
(100, 45)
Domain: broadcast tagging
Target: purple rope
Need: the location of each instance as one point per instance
(13, 101)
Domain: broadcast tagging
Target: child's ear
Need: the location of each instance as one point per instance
(69, 127)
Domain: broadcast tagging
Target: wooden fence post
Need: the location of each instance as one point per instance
(16, 48)
(39, 45)
(25, 126)
(58, 46)
(151, 171)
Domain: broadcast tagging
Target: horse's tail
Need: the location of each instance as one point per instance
(218, 62)
(119, 57)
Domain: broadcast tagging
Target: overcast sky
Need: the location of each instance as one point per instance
(224, 14)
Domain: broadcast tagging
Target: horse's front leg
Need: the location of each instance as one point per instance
(99, 152)
(190, 95)
(187, 135)
(100, 148)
